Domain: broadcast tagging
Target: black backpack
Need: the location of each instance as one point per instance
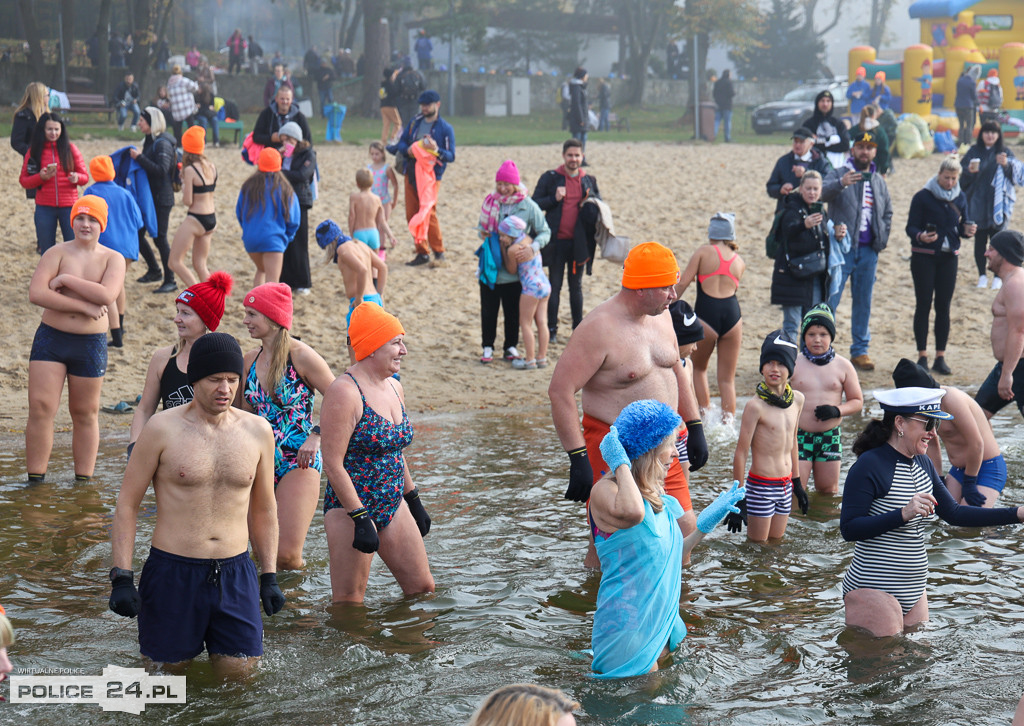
(408, 84)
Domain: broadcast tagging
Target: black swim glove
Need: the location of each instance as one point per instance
(801, 495)
(824, 413)
(124, 598)
(130, 447)
(417, 511)
(969, 491)
(696, 444)
(735, 521)
(366, 539)
(270, 593)
(581, 476)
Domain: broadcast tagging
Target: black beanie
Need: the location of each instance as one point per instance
(778, 347)
(1010, 245)
(685, 321)
(214, 353)
(908, 374)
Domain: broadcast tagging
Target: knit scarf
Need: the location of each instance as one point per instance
(490, 212)
(766, 395)
(819, 360)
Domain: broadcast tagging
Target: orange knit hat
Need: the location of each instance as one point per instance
(194, 140)
(880, 76)
(95, 207)
(270, 160)
(649, 265)
(371, 327)
(101, 168)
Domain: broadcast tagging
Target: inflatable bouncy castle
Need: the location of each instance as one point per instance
(955, 34)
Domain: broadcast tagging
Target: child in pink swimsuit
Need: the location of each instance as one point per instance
(533, 303)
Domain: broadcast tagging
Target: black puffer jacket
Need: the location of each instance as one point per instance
(300, 175)
(797, 240)
(21, 131)
(159, 158)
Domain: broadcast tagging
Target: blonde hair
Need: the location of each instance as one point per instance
(157, 122)
(951, 163)
(36, 99)
(6, 632)
(809, 174)
(523, 704)
(280, 349)
(364, 179)
(649, 473)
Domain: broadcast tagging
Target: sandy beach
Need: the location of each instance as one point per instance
(663, 192)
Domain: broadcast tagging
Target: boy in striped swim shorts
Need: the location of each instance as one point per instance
(768, 431)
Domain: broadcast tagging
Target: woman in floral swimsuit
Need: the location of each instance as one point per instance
(280, 387)
(371, 502)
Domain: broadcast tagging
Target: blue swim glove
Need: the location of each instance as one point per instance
(969, 491)
(723, 505)
(612, 452)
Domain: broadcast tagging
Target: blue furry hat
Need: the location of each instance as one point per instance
(328, 231)
(643, 425)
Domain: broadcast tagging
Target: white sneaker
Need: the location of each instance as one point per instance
(134, 128)
(982, 282)
(488, 355)
(512, 353)
(302, 291)
(997, 282)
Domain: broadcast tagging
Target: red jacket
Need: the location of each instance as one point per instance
(58, 191)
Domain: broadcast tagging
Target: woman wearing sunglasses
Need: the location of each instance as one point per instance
(891, 491)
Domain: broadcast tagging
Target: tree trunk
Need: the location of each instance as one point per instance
(377, 52)
(67, 41)
(353, 27)
(35, 42)
(102, 21)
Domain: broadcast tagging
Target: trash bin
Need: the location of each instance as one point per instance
(473, 99)
(707, 121)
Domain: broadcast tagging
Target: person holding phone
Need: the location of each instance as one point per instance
(936, 223)
(803, 232)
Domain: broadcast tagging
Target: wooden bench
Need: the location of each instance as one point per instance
(618, 123)
(89, 103)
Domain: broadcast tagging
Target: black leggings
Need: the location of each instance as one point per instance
(933, 275)
(163, 215)
(504, 295)
(981, 238)
(966, 119)
(562, 261)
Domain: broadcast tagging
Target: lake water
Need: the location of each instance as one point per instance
(767, 643)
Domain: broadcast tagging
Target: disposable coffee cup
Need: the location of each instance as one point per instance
(974, 165)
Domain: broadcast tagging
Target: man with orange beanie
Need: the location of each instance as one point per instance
(612, 375)
(124, 220)
(75, 283)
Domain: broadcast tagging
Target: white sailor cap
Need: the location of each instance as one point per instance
(914, 401)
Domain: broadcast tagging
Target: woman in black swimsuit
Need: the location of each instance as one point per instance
(199, 310)
(196, 231)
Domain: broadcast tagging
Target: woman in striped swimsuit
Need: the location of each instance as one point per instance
(890, 492)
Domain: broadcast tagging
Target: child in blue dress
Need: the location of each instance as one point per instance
(533, 303)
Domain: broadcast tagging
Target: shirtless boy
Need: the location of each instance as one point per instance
(768, 430)
(74, 283)
(825, 378)
(625, 350)
(1005, 383)
(366, 218)
(977, 471)
(212, 469)
(689, 331)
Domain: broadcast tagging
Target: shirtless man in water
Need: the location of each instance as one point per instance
(74, 283)
(1006, 381)
(625, 350)
(212, 468)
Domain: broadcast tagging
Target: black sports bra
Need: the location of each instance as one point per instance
(204, 188)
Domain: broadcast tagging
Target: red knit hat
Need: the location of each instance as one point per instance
(207, 298)
(273, 299)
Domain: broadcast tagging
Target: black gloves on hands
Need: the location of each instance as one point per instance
(801, 495)
(130, 447)
(824, 413)
(417, 511)
(366, 539)
(581, 476)
(124, 598)
(270, 593)
(736, 521)
(696, 444)
(969, 491)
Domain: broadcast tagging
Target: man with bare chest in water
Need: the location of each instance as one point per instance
(625, 350)
(212, 470)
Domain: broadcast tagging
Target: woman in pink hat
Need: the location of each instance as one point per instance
(280, 387)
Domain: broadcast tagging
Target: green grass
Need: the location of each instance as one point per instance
(542, 127)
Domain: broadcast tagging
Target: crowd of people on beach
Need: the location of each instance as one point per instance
(236, 456)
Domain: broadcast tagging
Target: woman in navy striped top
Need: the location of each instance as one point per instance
(890, 493)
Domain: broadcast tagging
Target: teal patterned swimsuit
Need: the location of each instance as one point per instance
(291, 416)
(374, 463)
